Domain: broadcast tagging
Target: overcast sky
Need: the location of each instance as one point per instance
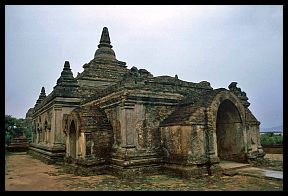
(219, 44)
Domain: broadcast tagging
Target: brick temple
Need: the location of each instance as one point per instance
(127, 121)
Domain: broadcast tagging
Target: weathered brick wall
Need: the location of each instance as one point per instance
(102, 144)
(144, 120)
(95, 122)
(113, 118)
(94, 137)
(273, 149)
(150, 136)
(227, 129)
(254, 133)
(183, 144)
(42, 127)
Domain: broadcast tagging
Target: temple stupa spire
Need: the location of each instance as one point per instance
(105, 50)
(105, 39)
(105, 54)
(42, 96)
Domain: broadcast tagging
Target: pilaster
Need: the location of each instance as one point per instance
(57, 127)
(127, 124)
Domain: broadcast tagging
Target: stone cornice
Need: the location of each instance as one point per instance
(57, 102)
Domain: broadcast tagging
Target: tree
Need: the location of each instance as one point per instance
(271, 139)
(10, 128)
(16, 127)
(27, 128)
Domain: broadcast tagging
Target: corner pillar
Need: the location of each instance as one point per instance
(211, 140)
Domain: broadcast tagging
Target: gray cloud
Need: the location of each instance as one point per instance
(219, 44)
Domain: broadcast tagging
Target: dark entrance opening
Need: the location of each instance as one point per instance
(72, 140)
(229, 132)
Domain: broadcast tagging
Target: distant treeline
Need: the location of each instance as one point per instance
(15, 127)
(271, 138)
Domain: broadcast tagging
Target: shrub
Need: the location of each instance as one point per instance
(271, 139)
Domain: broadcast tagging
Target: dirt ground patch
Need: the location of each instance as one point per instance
(274, 157)
(272, 161)
(23, 173)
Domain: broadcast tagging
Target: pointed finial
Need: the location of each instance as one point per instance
(42, 96)
(66, 74)
(105, 39)
(66, 64)
(43, 91)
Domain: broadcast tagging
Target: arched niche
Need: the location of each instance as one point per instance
(229, 132)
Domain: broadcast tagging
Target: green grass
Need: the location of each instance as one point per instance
(7, 153)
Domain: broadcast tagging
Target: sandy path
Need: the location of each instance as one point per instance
(33, 175)
(24, 173)
(275, 157)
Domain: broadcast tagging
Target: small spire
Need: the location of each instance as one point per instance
(43, 91)
(67, 64)
(42, 96)
(105, 39)
(66, 83)
(66, 74)
(104, 52)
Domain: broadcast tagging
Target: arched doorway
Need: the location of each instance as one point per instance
(229, 132)
(72, 140)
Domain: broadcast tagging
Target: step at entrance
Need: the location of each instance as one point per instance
(230, 165)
